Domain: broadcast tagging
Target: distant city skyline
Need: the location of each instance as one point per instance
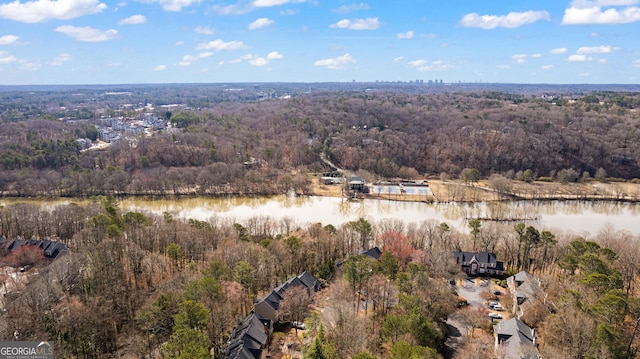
(195, 41)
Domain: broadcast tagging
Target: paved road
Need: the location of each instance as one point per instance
(457, 331)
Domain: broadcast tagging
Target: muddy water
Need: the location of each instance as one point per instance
(580, 217)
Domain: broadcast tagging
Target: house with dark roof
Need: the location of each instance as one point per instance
(252, 335)
(515, 340)
(51, 249)
(525, 289)
(373, 253)
(268, 305)
(479, 263)
(250, 338)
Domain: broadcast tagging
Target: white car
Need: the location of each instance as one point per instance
(495, 316)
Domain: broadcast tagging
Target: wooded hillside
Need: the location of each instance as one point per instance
(255, 146)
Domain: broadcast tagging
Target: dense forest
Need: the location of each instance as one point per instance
(138, 285)
(261, 146)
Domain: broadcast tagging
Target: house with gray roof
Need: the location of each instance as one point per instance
(250, 338)
(268, 305)
(515, 340)
(525, 289)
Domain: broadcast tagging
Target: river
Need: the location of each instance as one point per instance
(580, 217)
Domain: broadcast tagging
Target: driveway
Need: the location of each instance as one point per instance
(470, 289)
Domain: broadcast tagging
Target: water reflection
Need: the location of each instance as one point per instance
(576, 216)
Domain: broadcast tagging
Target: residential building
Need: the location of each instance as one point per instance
(525, 289)
(479, 263)
(250, 338)
(515, 340)
(51, 249)
(268, 305)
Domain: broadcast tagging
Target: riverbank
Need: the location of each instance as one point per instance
(456, 191)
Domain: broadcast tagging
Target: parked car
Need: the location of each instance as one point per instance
(495, 316)
(299, 325)
(498, 307)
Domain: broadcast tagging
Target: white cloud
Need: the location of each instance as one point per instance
(29, 66)
(43, 10)
(398, 59)
(503, 67)
(133, 20)
(417, 63)
(337, 63)
(546, 67)
(344, 9)
(536, 56)
(429, 36)
(596, 50)
(423, 65)
(274, 55)
(370, 23)
(288, 12)
(204, 30)
(87, 34)
(584, 12)
(583, 74)
(173, 5)
(636, 63)
(219, 45)
(260, 23)
(61, 59)
(160, 68)
(270, 3)
(578, 58)
(8, 39)
(559, 51)
(602, 61)
(179, 43)
(259, 61)
(204, 55)
(188, 59)
(405, 35)
(6, 58)
(510, 21)
(519, 58)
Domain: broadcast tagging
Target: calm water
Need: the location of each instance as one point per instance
(574, 216)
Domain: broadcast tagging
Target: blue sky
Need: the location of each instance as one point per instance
(165, 41)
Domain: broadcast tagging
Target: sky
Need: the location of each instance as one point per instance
(209, 41)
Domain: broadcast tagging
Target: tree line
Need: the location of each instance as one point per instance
(258, 147)
(140, 284)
